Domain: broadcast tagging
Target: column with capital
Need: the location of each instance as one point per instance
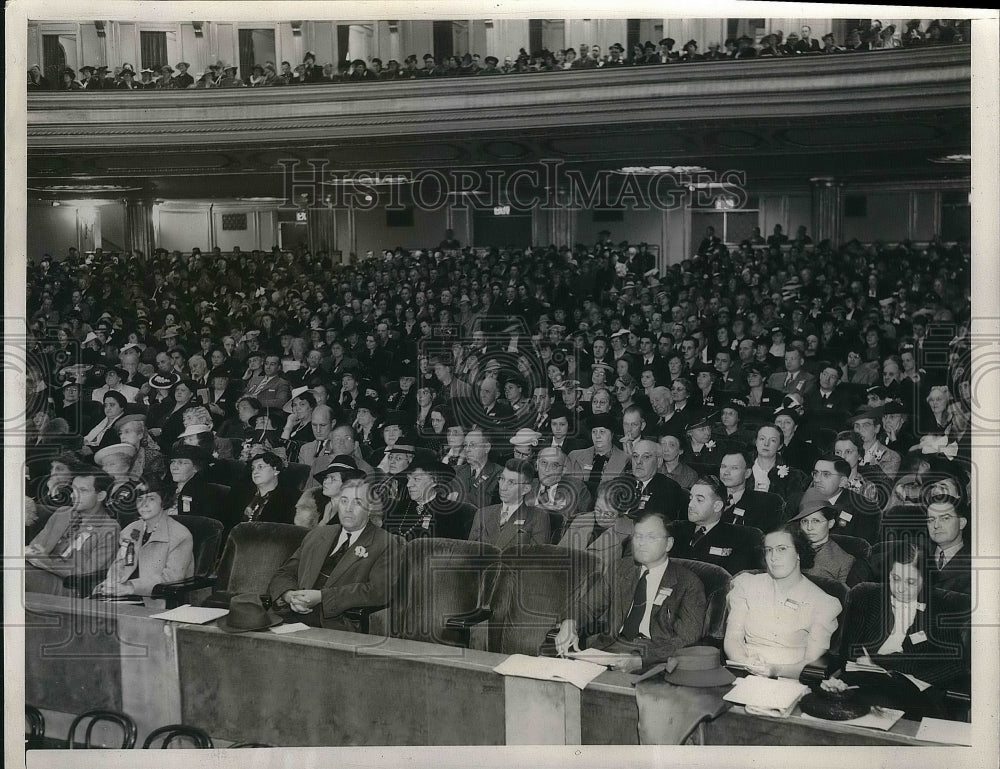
(139, 225)
(826, 214)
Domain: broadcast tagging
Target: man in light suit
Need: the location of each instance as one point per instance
(269, 388)
(601, 461)
(645, 608)
(77, 539)
(351, 565)
(513, 521)
(794, 379)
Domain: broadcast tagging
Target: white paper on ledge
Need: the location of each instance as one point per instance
(948, 732)
(289, 628)
(196, 615)
(576, 672)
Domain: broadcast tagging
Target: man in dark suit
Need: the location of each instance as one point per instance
(479, 477)
(555, 491)
(858, 516)
(950, 552)
(644, 608)
(492, 413)
(652, 489)
(704, 537)
(512, 522)
(828, 405)
(745, 506)
(348, 565)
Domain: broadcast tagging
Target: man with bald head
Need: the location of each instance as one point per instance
(318, 453)
(653, 490)
(554, 490)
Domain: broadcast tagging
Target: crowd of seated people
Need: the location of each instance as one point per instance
(515, 397)
(872, 36)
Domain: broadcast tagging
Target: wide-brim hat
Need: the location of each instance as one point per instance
(343, 464)
(247, 613)
(116, 448)
(697, 666)
(163, 381)
(526, 437)
(194, 453)
(195, 430)
(287, 408)
(606, 421)
(705, 419)
(814, 503)
(126, 418)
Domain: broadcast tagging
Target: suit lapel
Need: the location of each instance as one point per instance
(350, 557)
(313, 562)
(627, 579)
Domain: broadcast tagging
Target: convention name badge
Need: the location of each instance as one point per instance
(720, 551)
(662, 595)
(588, 467)
(739, 511)
(918, 638)
(845, 516)
(791, 604)
(643, 500)
(520, 522)
(425, 522)
(185, 503)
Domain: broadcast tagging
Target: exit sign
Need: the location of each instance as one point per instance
(301, 216)
(501, 210)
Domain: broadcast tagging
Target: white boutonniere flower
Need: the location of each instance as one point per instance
(782, 471)
(361, 552)
(710, 445)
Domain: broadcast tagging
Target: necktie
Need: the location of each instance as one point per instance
(940, 559)
(630, 630)
(699, 534)
(788, 379)
(543, 493)
(330, 563)
(595, 474)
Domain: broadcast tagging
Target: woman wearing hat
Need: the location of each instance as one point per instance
(896, 627)
(298, 427)
(319, 506)
(795, 451)
(779, 621)
(243, 426)
(148, 459)
(366, 424)
(154, 549)
(867, 480)
(114, 379)
(266, 497)
(102, 434)
(166, 420)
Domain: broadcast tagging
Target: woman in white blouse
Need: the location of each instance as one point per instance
(779, 620)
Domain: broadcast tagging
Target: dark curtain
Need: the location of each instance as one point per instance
(53, 59)
(153, 50)
(632, 36)
(246, 53)
(535, 27)
(444, 40)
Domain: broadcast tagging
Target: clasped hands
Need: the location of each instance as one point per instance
(302, 601)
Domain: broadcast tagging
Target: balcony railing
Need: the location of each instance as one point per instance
(905, 80)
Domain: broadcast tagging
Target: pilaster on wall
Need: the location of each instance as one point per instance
(139, 225)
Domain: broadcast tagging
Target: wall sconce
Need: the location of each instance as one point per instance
(199, 28)
(99, 26)
(296, 28)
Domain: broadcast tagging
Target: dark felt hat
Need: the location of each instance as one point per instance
(246, 613)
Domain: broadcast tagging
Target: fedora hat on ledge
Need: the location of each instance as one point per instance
(246, 613)
(699, 666)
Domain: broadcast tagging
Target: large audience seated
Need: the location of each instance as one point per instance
(868, 36)
(516, 398)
